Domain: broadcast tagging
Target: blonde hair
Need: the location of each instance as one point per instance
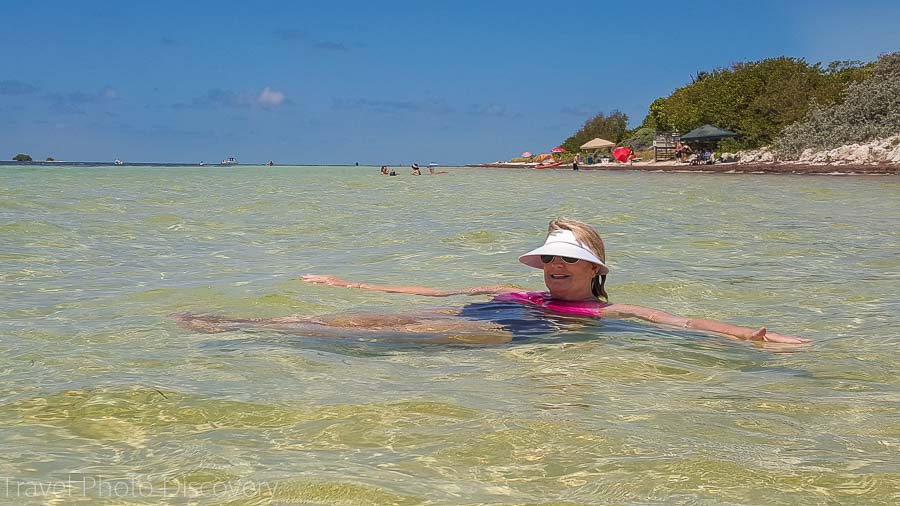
(587, 235)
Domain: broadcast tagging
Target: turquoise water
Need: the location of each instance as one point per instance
(105, 399)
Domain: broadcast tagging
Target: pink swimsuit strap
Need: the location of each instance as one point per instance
(544, 301)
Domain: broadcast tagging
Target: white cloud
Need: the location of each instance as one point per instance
(217, 98)
(270, 98)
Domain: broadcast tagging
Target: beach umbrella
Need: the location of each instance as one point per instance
(527, 154)
(621, 154)
(597, 143)
(558, 149)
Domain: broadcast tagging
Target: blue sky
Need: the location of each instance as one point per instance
(373, 82)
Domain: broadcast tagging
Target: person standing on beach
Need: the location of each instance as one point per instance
(679, 151)
(575, 161)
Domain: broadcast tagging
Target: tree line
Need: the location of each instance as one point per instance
(25, 157)
(783, 102)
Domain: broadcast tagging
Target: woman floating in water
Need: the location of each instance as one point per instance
(573, 260)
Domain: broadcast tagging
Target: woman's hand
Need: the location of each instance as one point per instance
(774, 337)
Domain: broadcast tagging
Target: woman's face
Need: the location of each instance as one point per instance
(570, 281)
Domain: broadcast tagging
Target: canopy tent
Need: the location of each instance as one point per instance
(597, 143)
(707, 133)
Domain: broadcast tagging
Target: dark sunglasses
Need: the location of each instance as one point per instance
(549, 258)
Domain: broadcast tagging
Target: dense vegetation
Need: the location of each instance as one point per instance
(755, 100)
(612, 128)
(870, 110)
(22, 157)
(758, 100)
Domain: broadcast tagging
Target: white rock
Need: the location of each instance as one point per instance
(877, 151)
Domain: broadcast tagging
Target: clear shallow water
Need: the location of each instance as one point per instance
(106, 399)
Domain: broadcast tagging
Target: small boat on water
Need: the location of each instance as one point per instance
(229, 161)
(270, 163)
(119, 162)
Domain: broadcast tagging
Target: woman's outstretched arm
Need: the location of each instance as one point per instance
(716, 327)
(327, 279)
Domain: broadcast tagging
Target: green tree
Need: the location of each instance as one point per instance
(50, 159)
(22, 157)
(640, 138)
(870, 109)
(611, 128)
(757, 99)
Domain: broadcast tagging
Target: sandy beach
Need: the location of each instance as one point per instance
(876, 157)
(727, 168)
